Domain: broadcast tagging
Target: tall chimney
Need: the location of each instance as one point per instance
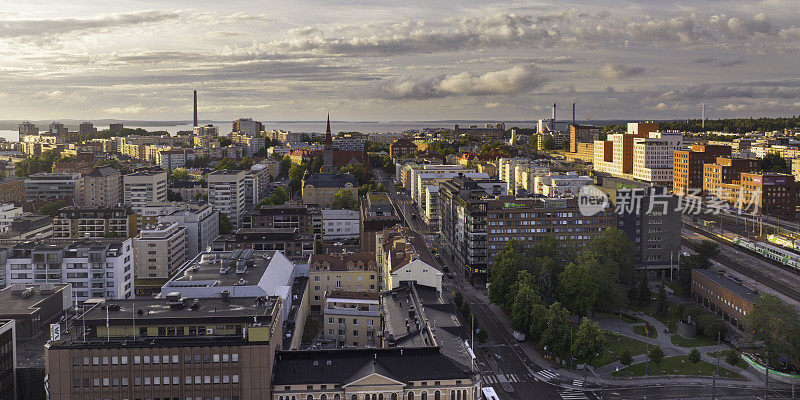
(553, 126)
(195, 108)
(573, 113)
(703, 117)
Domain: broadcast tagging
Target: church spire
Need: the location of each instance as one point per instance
(328, 139)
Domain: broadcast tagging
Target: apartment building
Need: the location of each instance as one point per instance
(206, 130)
(402, 147)
(26, 128)
(247, 126)
(102, 187)
(402, 261)
(352, 272)
(289, 241)
(8, 360)
(251, 144)
(201, 222)
(376, 212)
(425, 179)
(43, 187)
(226, 193)
(653, 157)
(560, 185)
(160, 251)
(256, 186)
(143, 187)
(583, 134)
(100, 268)
(8, 213)
(687, 170)
(285, 216)
(172, 159)
(340, 225)
(94, 222)
(351, 319)
(168, 348)
(12, 191)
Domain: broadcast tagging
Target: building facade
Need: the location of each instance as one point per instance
(340, 225)
(143, 187)
(687, 170)
(352, 319)
(45, 188)
(351, 272)
(102, 187)
(94, 222)
(226, 193)
(160, 250)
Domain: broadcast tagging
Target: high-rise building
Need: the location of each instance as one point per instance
(46, 187)
(159, 251)
(86, 128)
(57, 129)
(8, 360)
(201, 222)
(101, 188)
(687, 170)
(582, 134)
(143, 187)
(247, 126)
(226, 193)
(26, 128)
(94, 223)
(100, 268)
(653, 157)
(115, 129)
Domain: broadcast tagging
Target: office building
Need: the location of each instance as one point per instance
(201, 222)
(33, 307)
(351, 319)
(43, 187)
(318, 190)
(27, 129)
(653, 157)
(289, 241)
(94, 223)
(100, 268)
(723, 296)
(159, 251)
(352, 272)
(687, 170)
(8, 360)
(30, 226)
(726, 170)
(560, 185)
(764, 193)
(286, 216)
(102, 187)
(168, 348)
(402, 147)
(585, 134)
(340, 225)
(226, 193)
(143, 187)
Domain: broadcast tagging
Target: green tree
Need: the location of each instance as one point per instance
(344, 199)
(357, 170)
(589, 342)
(521, 317)
(173, 196)
(504, 273)
(286, 163)
(52, 209)
(662, 307)
(614, 269)
(626, 358)
(556, 335)
(656, 355)
(775, 323)
(643, 294)
(180, 174)
(225, 226)
(773, 162)
(548, 143)
(201, 196)
(538, 322)
(694, 356)
(732, 358)
(579, 287)
(224, 142)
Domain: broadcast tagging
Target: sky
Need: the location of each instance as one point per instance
(381, 60)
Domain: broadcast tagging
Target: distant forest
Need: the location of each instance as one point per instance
(733, 125)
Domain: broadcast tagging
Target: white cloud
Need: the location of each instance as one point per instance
(132, 109)
(613, 71)
(515, 80)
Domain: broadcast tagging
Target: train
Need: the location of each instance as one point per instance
(784, 241)
(785, 257)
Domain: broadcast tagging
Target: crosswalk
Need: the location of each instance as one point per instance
(572, 394)
(545, 375)
(499, 378)
(577, 382)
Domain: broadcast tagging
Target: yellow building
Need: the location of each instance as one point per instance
(320, 189)
(351, 319)
(354, 272)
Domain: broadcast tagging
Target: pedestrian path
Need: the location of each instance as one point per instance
(500, 378)
(572, 394)
(545, 375)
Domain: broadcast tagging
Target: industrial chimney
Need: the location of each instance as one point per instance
(573, 113)
(553, 125)
(195, 108)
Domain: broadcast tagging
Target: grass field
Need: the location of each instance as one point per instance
(699, 341)
(651, 331)
(678, 365)
(616, 345)
(724, 354)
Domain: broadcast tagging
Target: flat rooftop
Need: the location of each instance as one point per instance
(224, 268)
(14, 303)
(728, 283)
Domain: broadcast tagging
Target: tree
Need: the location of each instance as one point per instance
(694, 356)
(180, 174)
(224, 142)
(521, 317)
(656, 354)
(662, 307)
(643, 294)
(615, 266)
(344, 199)
(556, 334)
(626, 358)
(579, 288)
(773, 162)
(358, 171)
(201, 196)
(173, 196)
(565, 145)
(548, 143)
(538, 320)
(504, 273)
(225, 226)
(732, 358)
(775, 323)
(52, 209)
(707, 250)
(589, 342)
(286, 163)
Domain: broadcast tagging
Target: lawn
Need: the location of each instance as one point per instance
(670, 320)
(624, 318)
(724, 354)
(678, 365)
(616, 345)
(699, 341)
(651, 332)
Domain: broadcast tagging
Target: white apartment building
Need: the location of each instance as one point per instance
(144, 187)
(226, 193)
(426, 179)
(174, 158)
(8, 213)
(410, 172)
(653, 157)
(431, 214)
(94, 269)
(159, 251)
(201, 222)
(256, 184)
(340, 224)
(559, 185)
(519, 173)
(206, 130)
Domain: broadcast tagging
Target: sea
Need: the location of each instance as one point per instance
(311, 126)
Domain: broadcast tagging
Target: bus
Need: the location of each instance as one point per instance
(489, 394)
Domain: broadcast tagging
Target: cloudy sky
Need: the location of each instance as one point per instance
(398, 60)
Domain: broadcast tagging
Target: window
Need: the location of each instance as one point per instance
(114, 360)
(235, 357)
(225, 358)
(235, 379)
(216, 358)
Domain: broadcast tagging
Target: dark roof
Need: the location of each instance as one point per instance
(338, 262)
(330, 180)
(729, 284)
(102, 171)
(343, 366)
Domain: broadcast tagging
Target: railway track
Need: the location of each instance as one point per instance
(749, 271)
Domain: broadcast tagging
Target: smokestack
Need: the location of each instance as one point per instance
(553, 120)
(195, 108)
(573, 113)
(703, 117)
(554, 111)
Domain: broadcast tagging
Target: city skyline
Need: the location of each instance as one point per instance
(371, 60)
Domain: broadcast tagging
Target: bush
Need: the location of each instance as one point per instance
(694, 356)
(656, 354)
(625, 358)
(732, 358)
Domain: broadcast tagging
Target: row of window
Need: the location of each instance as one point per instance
(155, 381)
(164, 359)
